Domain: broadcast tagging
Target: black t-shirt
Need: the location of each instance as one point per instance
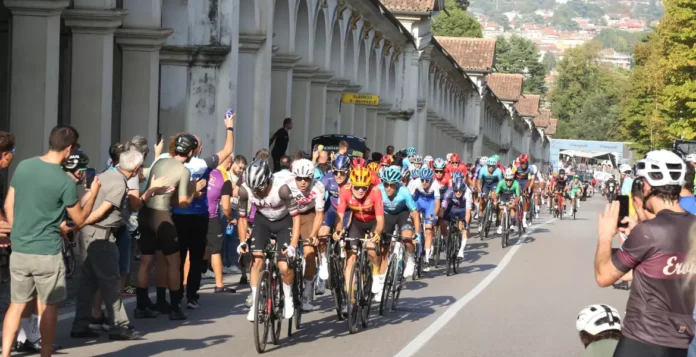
(227, 188)
(660, 306)
(281, 142)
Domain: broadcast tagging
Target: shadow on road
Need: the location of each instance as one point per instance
(476, 246)
(468, 269)
(472, 256)
(158, 347)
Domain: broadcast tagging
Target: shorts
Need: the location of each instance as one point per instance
(523, 185)
(575, 192)
(157, 232)
(506, 197)
(487, 189)
(330, 217)
(124, 241)
(628, 347)
(306, 223)
(391, 221)
(215, 236)
(39, 275)
(427, 206)
(454, 213)
(358, 229)
(263, 228)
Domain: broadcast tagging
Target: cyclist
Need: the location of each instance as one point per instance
(525, 174)
(309, 196)
(441, 175)
(386, 161)
(508, 192)
(455, 165)
(549, 189)
(576, 189)
(611, 187)
(405, 176)
(400, 210)
(600, 330)
(410, 153)
(426, 193)
(428, 161)
(456, 203)
(538, 189)
(487, 181)
(365, 202)
(560, 186)
(276, 213)
(416, 162)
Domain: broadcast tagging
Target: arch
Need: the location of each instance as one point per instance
(349, 64)
(384, 68)
(303, 35)
(373, 69)
(321, 37)
(333, 61)
(362, 67)
(248, 21)
(392, 82)
(281, 25)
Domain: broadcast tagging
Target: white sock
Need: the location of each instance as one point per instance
(253, 296)
(524, 216)
(287, 291)
(34, 333)
(464, 239)
(24, 327)
(427, 255)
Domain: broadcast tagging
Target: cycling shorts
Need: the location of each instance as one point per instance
(358, 229)
(575, 192)
(391, 221)
(523, 185)
(331, 216)
(487, 189)
(157, 232)
(506, 197)
(427, 206)
(454, 213)
(263, 228)
(628, 347)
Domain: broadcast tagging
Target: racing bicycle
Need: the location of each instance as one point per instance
(336, 281)
(268, 306)
(360, 286)
(394, 279)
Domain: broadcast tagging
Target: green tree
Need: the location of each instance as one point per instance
(549, 61)
(622, 41)
(457, 24)
(519, 55)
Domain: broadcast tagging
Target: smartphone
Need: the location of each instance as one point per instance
(229, 112)
(623, 210)
(159, 138)
(90, 173)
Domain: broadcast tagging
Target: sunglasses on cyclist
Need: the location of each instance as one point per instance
(439, 171)
(361, 188)
(340, 173)
(306, 179)
(390, 185)
(426, 181)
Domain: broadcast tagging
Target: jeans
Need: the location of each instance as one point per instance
(230, 242)
(123, 242)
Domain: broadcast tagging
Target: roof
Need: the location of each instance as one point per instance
(543, 119)
(528, 105)
(411, 5)
(551, 130)
(471, 53)
(505, 86)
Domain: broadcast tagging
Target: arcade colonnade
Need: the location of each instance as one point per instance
(119, 68)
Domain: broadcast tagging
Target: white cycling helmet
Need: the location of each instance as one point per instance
(427, 159)
(257, 174)
(691, 158)
(625, 168)
(662, 168)
(303, 168)
(483, 160)
(598, 318)
(509, 175)
(448, 156)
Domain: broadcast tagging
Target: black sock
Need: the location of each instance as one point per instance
(141, 298)
(175, 297)
(161, 295)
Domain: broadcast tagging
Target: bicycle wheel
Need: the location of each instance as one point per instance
(366, 296)
(354, 293)
(278, 302)
(297, 298)
(262, 308)
(388, 282)
(399, 280)
(487, 221)
(337, 285)
(449, 254)
(436, 249)
(519, 224)
(506, 229)
(455, 251)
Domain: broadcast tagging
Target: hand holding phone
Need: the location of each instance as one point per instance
(159, 138)
(229, 119)
(90, 174)
(623, 210)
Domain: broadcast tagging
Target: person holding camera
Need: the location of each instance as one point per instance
(658, 319)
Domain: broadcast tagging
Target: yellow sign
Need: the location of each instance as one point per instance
(361, 99)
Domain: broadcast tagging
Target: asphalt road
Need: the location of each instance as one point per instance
(518, 301)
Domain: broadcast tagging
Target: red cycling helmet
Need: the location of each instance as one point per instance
(524, 158)
(358, 162)
(386, 160)
(455, 158)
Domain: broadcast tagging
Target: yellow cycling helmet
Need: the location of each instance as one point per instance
(555, 174)
(360, 177)
(373, 166)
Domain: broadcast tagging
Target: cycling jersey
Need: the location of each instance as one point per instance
(200, 169)
(561, 182)
(402, 201)
(365, 210)
(460, 168)
(576, 185)
(415, 187)
(522, 175)
(312, 199)
(444, 182)
(332, 188)
(504, 189)
(275, 206)
(450, 201)
(660, 304)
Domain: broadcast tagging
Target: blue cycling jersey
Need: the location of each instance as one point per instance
(331, 187)
(452, 202)
(488, 179)
(401, 202)
(200, 169)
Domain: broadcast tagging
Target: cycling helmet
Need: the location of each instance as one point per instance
(405, 172)
(576, 176)
(76, 161)
(303, 168)
(691, 158)
(662, 168)
(257, 174)
(561, 172)
(509, 175)
(410, 151)
(426, 174)
(360, 177)
(496, 157)
(516, 163)
(448, 156)
(492, 161)
(428, 158)
(523, 158)
(391, 175)
(341, 162)
(358, 162)
(458, 184)
(625, 168)
(373, 166)
(185, 143)
(483, 160)
(386, 160)
(417, 159)
(598, 318)
(440, 164)
(455, 158)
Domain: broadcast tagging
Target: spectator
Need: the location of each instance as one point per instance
(263, 155)
(376, 156)
(390, 151)
(36, 202)
(115, 152)
(284, 174)
(281, 138)
(229, 247)
(654, 250)
(343, 147)
(367, 153)
(7, 151)
(600, 330)
(687, 199)
(219, 195)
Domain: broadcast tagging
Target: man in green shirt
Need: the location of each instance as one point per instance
(508, 191)
(40, 193)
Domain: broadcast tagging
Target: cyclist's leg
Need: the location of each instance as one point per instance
(354, 231)
(281, 228)
(390, 222)
(306, 223)
(429, 225)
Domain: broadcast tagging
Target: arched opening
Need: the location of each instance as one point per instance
(392, 82)
(349, 66)
(334, 61)
(247, 16)
(361, 75)
(302, 40)
(383, 67)
(320, 39)
(374, 70)
(281, 25)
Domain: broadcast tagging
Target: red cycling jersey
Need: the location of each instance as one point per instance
(365, 210)
(444, 181)
(460, 168)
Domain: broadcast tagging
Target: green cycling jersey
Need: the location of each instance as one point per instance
(505, 189)
(576, 185)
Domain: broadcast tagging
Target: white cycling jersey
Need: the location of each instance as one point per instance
(313, 198)
(417, 185)
(276, 205)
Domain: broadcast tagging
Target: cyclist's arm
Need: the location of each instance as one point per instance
(416, 220)
(243, 221)
(446, 200)
(499, 187)
(319, 204)
(286, 196)
(379, 211)
(341, 208)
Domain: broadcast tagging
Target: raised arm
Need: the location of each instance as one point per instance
(229, 138)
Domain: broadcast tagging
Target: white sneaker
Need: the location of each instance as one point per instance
(513, 228)
(208, 275)
(321, 287)
(324, 269)
(289, 310)
(461, 253)
(500, 230)
(377, 283)
(524, 223)
(536, 215)
(344, 309)
(251, 314)
(410, 267)
(378, 296)
(306, 305)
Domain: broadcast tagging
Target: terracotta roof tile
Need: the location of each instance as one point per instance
(411, 5)
(470, 53)
(506, 86)
(528, 105)
(543, 118)
(551, 130)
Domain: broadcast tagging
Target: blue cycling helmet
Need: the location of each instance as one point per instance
(439, 164)
(341, 162)
(492, 161)
(426, 174)
(415, 173)
(405, 172)
(410, 151)
(458, 184)
(391, 175)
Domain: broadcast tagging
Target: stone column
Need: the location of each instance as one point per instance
(34, 75)
(301, 108)
(318, 106)
(371, 130)
(92, 72)
(334, 90)
(348, 112)
(252, 133)
(4, 68)
(282, 92)
(391, 133)
(381, 138)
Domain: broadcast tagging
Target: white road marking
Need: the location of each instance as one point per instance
(419, 341)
